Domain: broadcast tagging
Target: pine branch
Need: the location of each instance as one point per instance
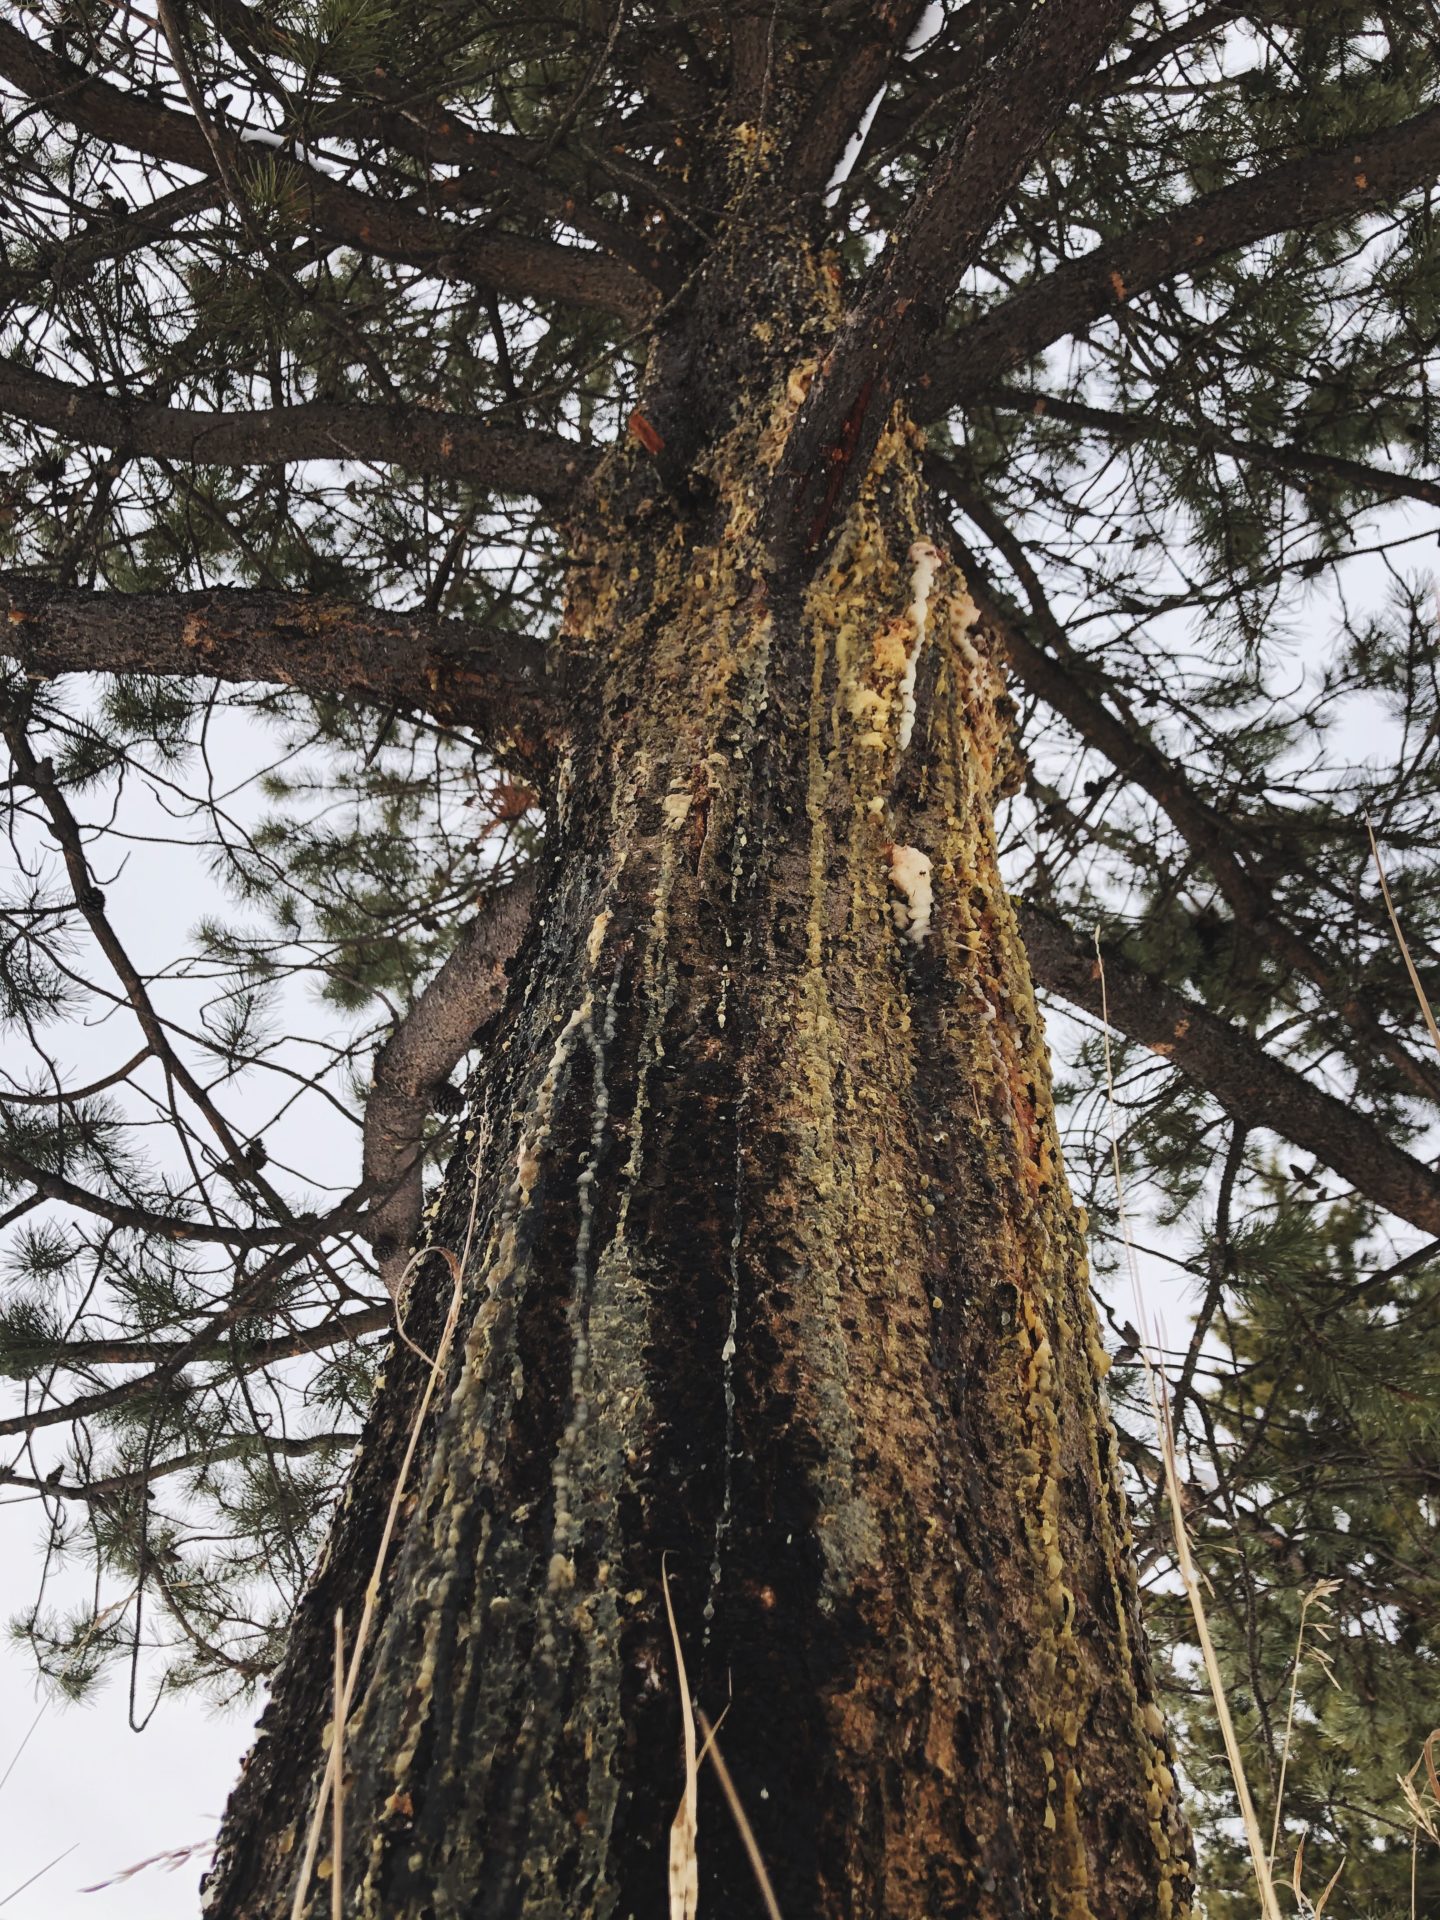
(296, 1448)
(1364, 175)
(1144, 56)
(239, 1356)
(405, 232)
(452, 445)
(1052, 676)
(487, 680)
(1252, 1086)
(166, 1226)
(29, 771)
(252, 1294)
(420, 1056)
(104, 235)
(499, 167)
(1294, 465)
(873, 357)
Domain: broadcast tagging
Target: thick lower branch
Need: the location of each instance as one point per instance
(1247, 1081)
(491, 681)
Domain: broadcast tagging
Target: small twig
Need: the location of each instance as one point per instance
(1400, 938)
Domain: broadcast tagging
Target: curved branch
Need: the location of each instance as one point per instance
(420, 1056)
(456, 446)
(1232, 1066)
(1363, 175)
(536, 269)
(1296, 466)
(490, 681)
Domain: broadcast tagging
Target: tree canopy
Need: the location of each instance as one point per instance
(316, 319)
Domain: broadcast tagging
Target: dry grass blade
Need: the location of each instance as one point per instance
(1264, 1879)
(1185, 1565)
(372, 1590)
(1301, 1899)
(337, 1823)
(1422, 1815)
(1317, 1596)
(1419, 1812)
(742, 1823)
(1329, 1889)
(1400, 939)
(1427, 1754)
(168, 1861)
(684, 1829)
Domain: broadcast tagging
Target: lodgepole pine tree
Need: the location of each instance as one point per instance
(773, 523)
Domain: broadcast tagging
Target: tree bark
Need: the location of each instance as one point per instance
(774, 1278)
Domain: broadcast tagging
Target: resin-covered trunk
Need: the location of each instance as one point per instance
(774, 1282)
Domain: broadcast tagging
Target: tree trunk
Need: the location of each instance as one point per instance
(774, 1279)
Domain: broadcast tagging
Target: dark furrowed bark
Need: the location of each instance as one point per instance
(775, 1284)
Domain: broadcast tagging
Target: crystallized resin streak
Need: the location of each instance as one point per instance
(776, 1276)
